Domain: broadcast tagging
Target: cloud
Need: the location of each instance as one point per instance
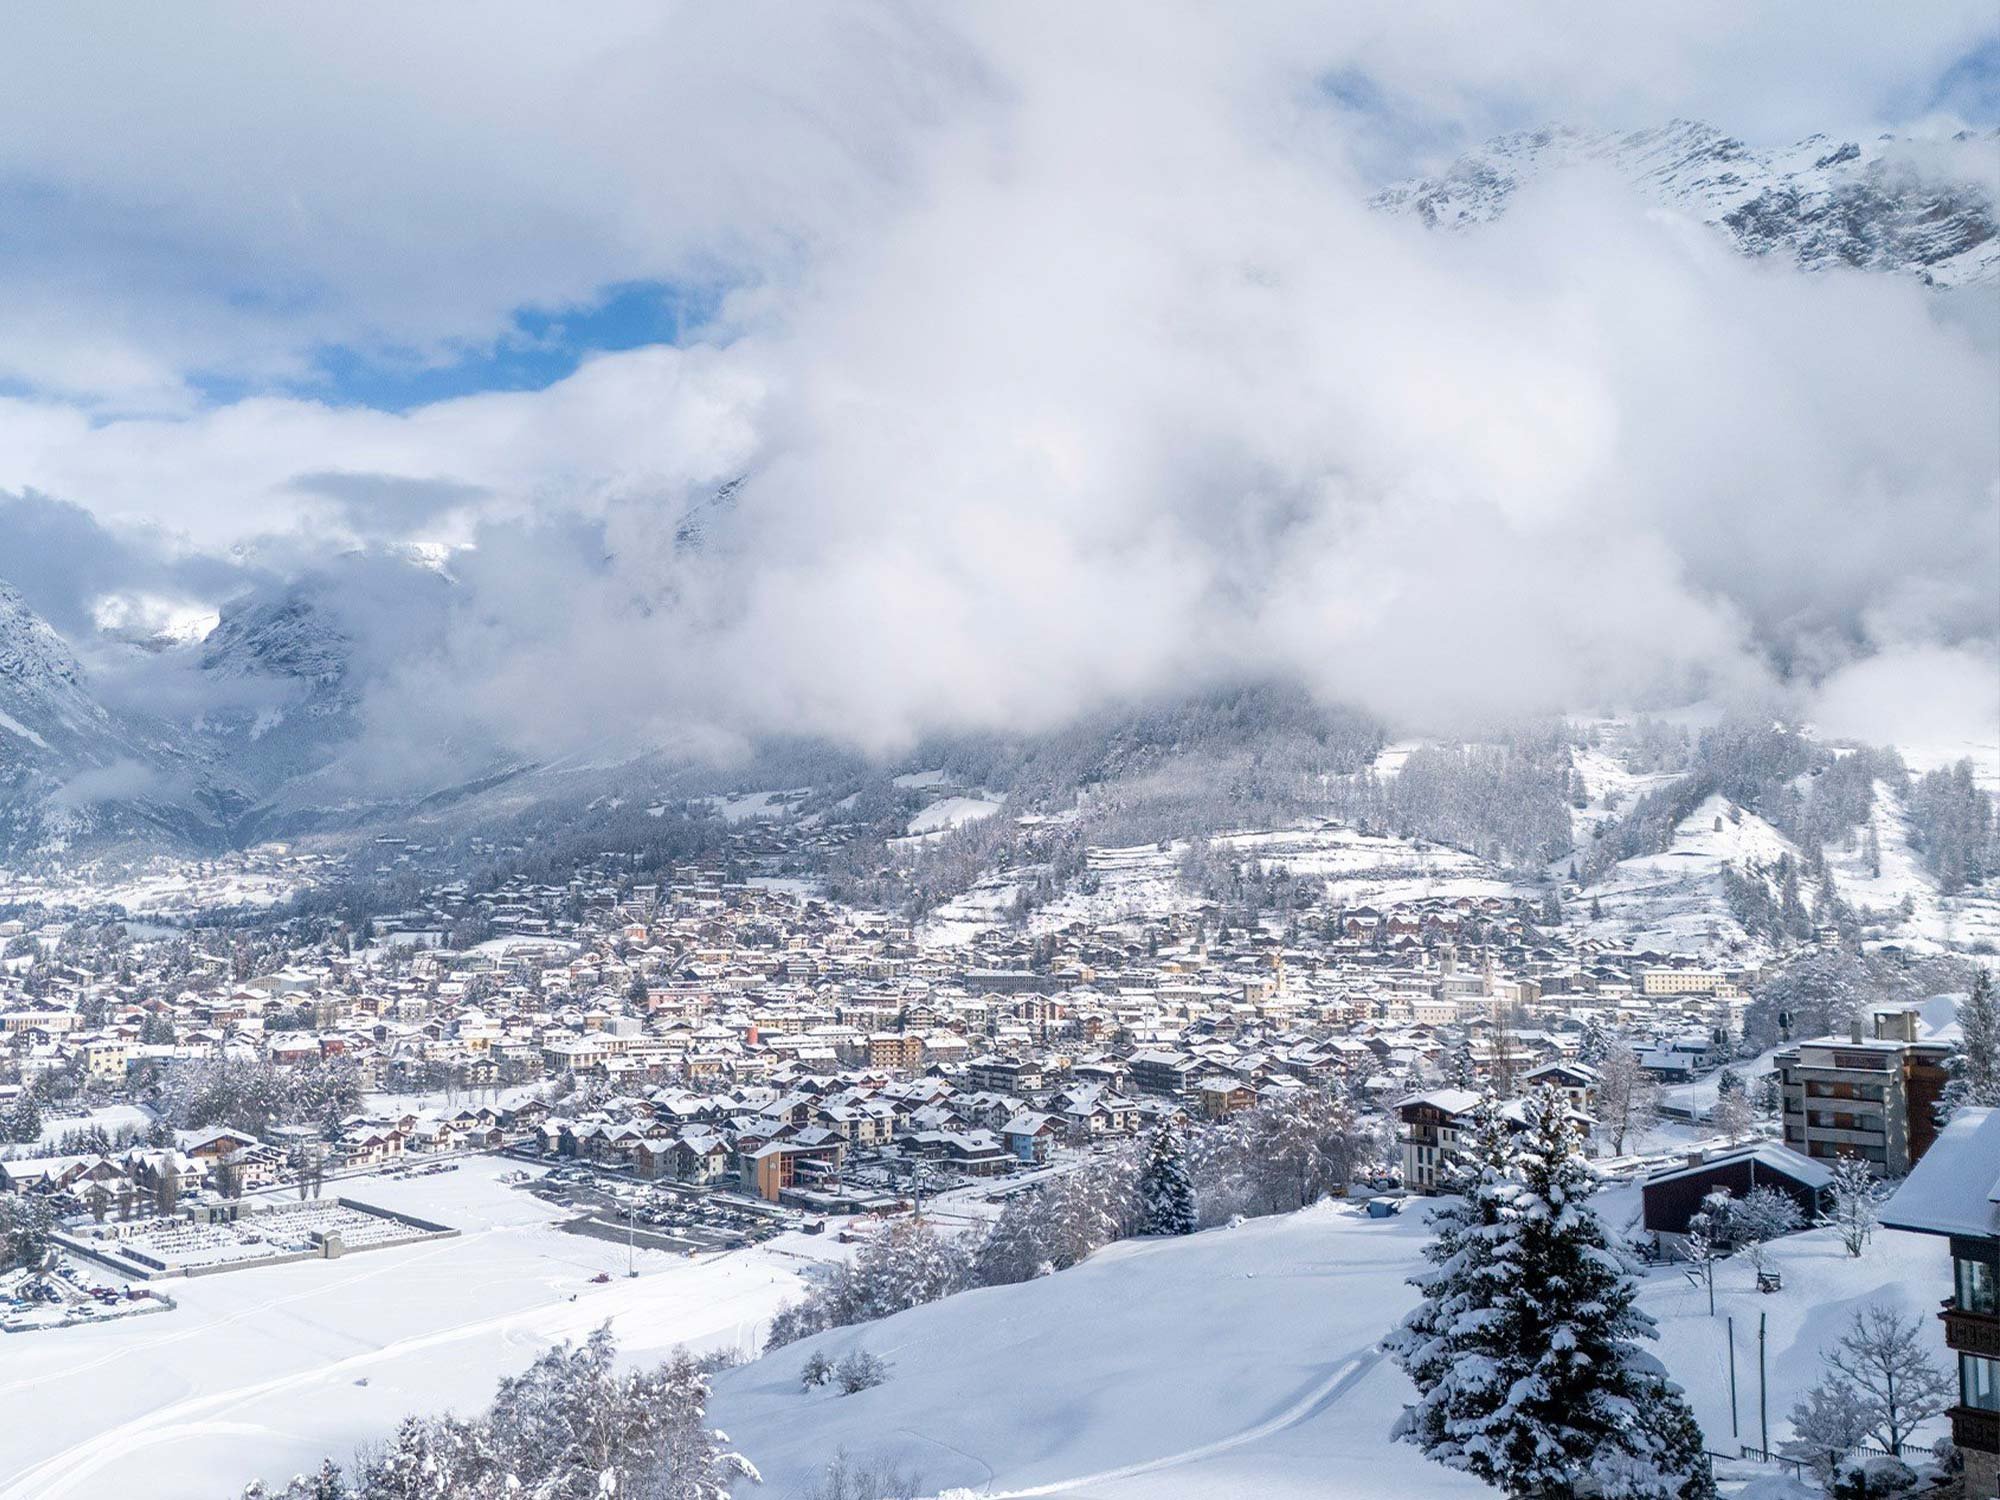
(392, 504)
(1063, 362)
(1941, 703)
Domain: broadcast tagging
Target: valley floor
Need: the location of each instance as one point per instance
(260, 1373)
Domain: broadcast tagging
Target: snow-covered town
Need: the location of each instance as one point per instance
(725, 1114)
(1133, 751)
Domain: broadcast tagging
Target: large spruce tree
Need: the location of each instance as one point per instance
(1526, 1349)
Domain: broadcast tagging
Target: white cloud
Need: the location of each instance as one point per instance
(1067, 363)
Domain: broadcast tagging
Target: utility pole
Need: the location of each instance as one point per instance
(1732, 1380)
(1763, 1395)
(631, 1269)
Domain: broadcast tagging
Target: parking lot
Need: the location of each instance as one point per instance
(657, 1215)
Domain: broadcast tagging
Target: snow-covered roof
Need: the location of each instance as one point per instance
(1451, 1101)
(1955, 1189)
(1800, 1169)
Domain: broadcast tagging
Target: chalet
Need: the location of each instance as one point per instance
(1221, 1096)
(1670, 1198)
(1029, 1136)
(1954, 1193)
(1432, 1123)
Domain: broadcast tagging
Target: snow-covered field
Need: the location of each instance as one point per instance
(1144, 879)
(1243, 1362)
(1673, 901)
(168, 888)
(953, 812)
(261, 1372)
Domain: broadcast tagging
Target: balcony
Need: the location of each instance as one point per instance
(1973, 1428)
(1971, 1332)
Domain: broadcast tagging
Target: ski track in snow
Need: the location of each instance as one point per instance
(1311, 1404)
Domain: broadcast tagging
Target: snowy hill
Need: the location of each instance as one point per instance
(1244, 1362)
(1880, 204)
(1233, 1362)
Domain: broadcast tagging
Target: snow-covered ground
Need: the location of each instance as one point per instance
(111, 1118)
(1236, 1362)
(167, 888)
(1240, 1361)
(261, 1372)
(745, 806)
(1243, 1362)
(954, 812)
(1673, 901)
(1144, 879)
(1896, 899)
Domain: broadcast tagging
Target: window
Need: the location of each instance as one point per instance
(1979, 1382)
(1978, 1286)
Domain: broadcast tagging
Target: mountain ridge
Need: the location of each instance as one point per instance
(1820, 202)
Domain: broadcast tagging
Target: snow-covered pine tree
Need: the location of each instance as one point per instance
(1974, 1062)
(1166, 1188)
(1526, 1350)
(1445, 1344)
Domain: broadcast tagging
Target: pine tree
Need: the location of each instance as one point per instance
(25, 1123)
(1165, 1187)
(1974, 1062)
(1526, 1348)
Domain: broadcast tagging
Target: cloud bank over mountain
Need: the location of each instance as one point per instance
(1061, 358)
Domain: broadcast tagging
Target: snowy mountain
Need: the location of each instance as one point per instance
(71, 771)
(1882, 204)
(44, 704)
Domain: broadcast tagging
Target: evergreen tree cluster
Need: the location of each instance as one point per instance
(1166, 1187)
(1974, 1060)
(1953, 827)
(199, 1092)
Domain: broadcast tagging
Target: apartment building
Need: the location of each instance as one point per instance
(1873, 1097)
(1432, 1123)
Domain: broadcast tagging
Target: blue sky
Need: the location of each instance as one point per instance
(537, 349)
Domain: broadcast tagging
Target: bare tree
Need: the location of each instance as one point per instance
(1628, 1100)
(1856, 1210)
(1762, 1215)
(1882, 1356)
(1733, 1115)
(860, 1370)
(1828, 1424)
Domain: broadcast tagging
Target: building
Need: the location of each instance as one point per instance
(1171, 1075)
(1431, 1126)
(1955, 1193)
(1873, 1097)
(1689, 982)
(1670, 1198)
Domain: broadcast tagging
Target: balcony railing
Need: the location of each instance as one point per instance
(1971, 1332)
(1973, 1428)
